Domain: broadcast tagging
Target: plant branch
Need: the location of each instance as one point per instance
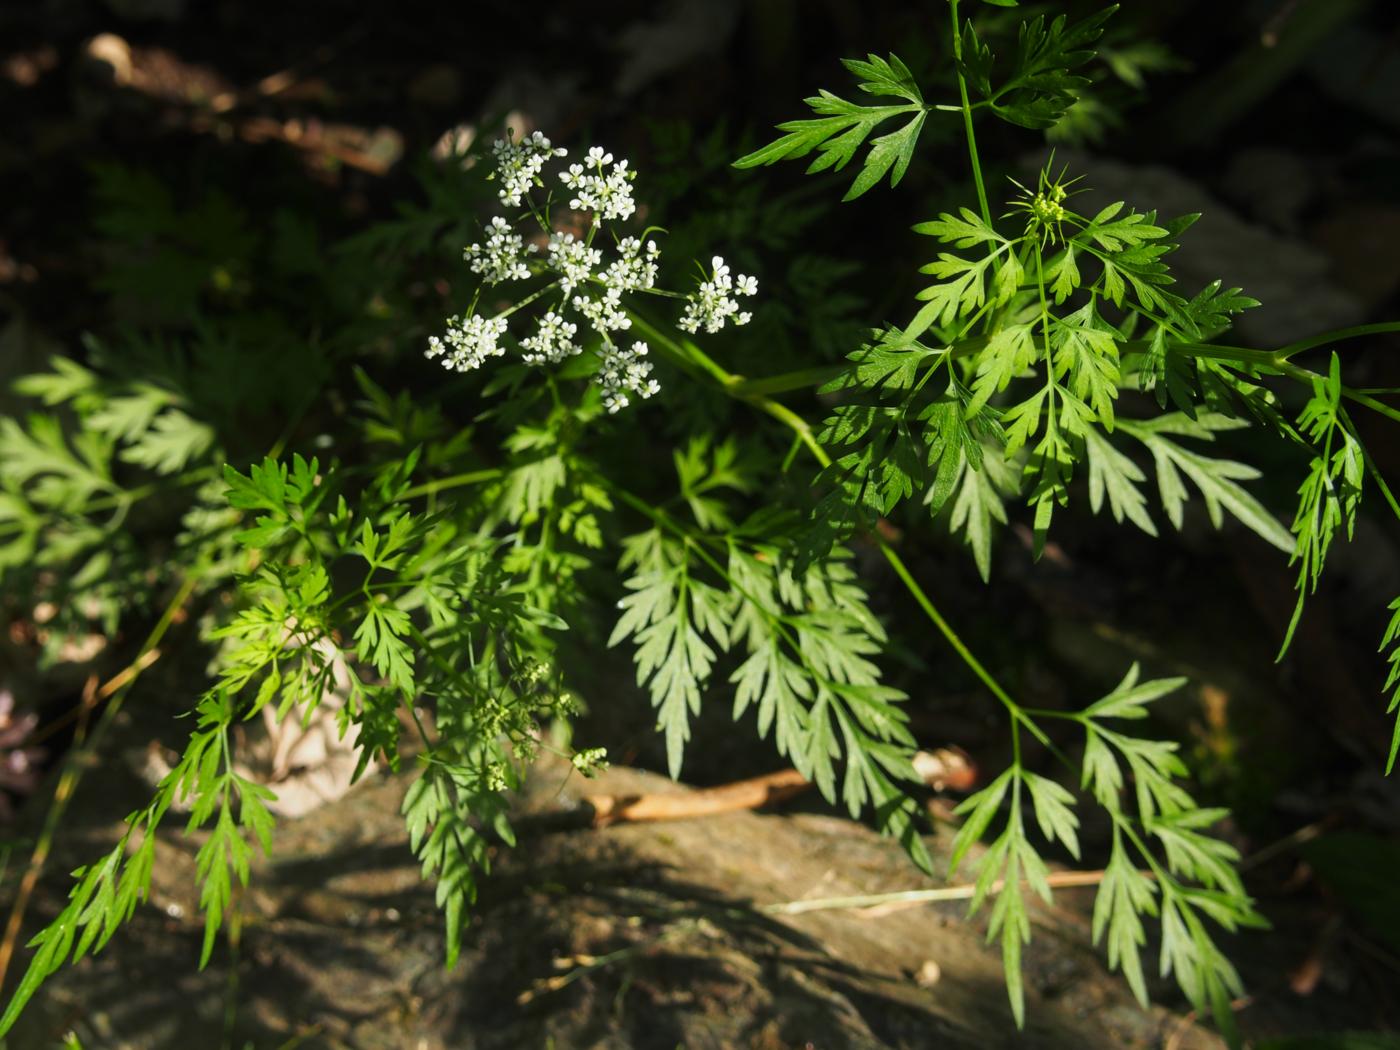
(966, 107)
(803, 431)
(79, 760)
(1340, 335)
(432, 488)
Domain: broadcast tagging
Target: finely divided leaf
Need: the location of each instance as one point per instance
(841, 127)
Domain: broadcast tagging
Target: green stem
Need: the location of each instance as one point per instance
(1371, 467)
(683, 352)
(951, 636)
(122, 501)
(966, 106)
(1270, 360)
(81, 757)
(530, 298)
(431, 488)
(1307, 376)
(1371, 403)
(795, 423)
(1338, 336)
(781, 384)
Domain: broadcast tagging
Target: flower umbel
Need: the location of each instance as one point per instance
(573, 259)
(624, 372)
(587, 286)
(518, 164)
(714, 303)
(503, 256)
(552, 343)
(469, 342)
(607, 194)
(632, 272)
(1045, 208)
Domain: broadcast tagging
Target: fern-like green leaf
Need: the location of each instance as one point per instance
(841, 127)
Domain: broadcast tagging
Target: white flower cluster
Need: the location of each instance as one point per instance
(518, 165)
(590, 287)
(607, 194)
(624, 372)
(502, 258)
(714, 302)
(631, 272)
(552, 342)
(573, 259)
(578, 265)
(605, 312)
(470, 341)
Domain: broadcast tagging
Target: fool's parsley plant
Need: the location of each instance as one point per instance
(428, 559)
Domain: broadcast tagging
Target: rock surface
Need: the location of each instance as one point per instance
(340, 946)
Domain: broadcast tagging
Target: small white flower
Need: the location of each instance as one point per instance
(573, 260)
(518, 164)
(605, 313)
(625, 372)
(607, 194)
(552, 343)
(502, 258)
(631, 271)
(468, 343)
(714, 302)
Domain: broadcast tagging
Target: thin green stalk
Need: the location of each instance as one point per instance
(780, 384)
(951, 636)
(80, 759)
(432, 488)
(530, 298)
(1326, 338)
(1307, 375)
(1371, 467)
(966, 107)
(795, 423)
(1269, 360)
(122, 501)
(1371, 403)
(684, 352)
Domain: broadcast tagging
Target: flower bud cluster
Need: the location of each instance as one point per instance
(591, 760)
